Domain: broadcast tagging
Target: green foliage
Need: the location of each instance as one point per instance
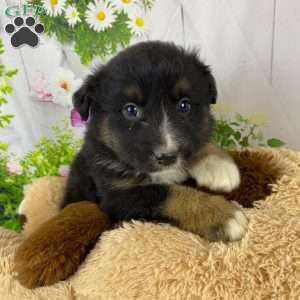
(45, 160)
(3, 147)
(5, 76)
(51, 153)
(240, 133)
(88, 43)
(11, 193)
(275, 143)
(148, 3)
(102, 44)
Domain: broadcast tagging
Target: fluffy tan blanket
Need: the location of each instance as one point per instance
(150, 261)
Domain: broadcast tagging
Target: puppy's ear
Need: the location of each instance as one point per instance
(212, 89)
(83, 99)
(205, 69)
(82, 103)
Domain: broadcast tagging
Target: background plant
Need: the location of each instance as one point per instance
(5, 88)
(148, 3)
(235, 131)
(87, 42)
(52, 153)
(11, 193)
(44, 160)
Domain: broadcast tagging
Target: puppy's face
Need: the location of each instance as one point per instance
(150, 106)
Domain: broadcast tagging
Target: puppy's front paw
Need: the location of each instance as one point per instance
(231, 228)
(219, 174)
(210, 216)
(221, 220)
(56, 249)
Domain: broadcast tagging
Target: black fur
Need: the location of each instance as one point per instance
(118, 155)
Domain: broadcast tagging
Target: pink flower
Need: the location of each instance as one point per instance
(76, 120)
(14, 168)
(43, 95)
(64, 170)
(40, 88)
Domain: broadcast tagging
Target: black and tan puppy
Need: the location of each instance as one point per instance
(149, 131)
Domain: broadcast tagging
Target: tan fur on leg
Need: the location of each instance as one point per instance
(215, 169)
(55, 250)
(209, 216)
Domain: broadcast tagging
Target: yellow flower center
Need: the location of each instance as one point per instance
(53, 2)
(126, 1)
(139, 21)
(74, 13)
(64, 85)
(101, 16)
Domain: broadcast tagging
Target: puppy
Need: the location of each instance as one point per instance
(149, 132)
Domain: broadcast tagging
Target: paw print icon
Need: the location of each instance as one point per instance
(24, 32)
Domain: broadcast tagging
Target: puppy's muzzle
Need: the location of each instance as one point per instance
(166, 158)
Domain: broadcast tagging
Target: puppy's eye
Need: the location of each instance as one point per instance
(131, 112)
(184, 105)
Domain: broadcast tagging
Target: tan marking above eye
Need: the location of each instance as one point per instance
(134, 94)
(181, 88)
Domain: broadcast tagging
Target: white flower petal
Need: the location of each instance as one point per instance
(137, 23)
(54, 7)
(100, 16)
(63, 85)
(128, 6)
(72, 15)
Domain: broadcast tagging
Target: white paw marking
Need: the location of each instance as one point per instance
(216, 173)
(236, 227)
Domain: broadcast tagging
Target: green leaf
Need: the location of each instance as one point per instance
(2, 101)
(275, 143)
(244, 142)
(10, 73)
(237, 135)
(148, 4)
(3, 147)
(5, 88)
(12, 224)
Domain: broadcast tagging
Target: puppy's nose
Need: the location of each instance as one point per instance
(166, 158)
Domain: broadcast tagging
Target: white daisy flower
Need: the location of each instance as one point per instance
(63, 85)
(72, 15)
(124, 5)
(54, 7)
(100, 16)
(137, 23)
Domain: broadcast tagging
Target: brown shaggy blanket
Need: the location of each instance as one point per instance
(152, 261)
